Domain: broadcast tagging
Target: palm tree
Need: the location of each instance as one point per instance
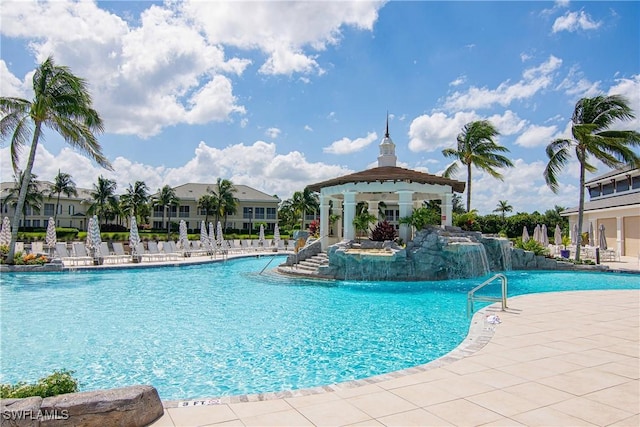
(32, 200)
(166, 198)
(363, 220)
(591, 120)
(61, 102)
(225, 198)
(303, 202)
(503, 207)
(105, 202)
(476, 147)
(136, 196)
(62, 183)
(209, 204)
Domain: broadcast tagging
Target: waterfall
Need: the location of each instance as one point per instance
(505, 247)
(468, 260)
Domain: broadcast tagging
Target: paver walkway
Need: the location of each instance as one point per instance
(557, 359)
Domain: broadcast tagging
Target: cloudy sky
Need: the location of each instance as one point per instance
(278, 95)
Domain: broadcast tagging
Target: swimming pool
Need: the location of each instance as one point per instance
(221, 329)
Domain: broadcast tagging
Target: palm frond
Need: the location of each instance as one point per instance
(558, 154)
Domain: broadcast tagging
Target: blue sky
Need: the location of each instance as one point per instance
(278, 95)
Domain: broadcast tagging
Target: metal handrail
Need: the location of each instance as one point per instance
(265, 267)
(471, 297)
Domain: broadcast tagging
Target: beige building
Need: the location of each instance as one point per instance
(254, 207)
(614, 201)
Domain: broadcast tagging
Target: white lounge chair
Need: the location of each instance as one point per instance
(118, 250)
(155, 251)
(37, 248)
(80, 252)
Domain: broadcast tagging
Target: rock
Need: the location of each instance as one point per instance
(129, 406)
(20, 412)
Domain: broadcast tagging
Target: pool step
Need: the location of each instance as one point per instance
(312, 264)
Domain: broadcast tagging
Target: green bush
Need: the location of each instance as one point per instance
(532, 246)
(60, 382)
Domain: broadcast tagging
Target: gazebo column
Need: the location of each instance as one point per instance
(447, 209)
(405, 203)
(373, 208)
(324, 221)
(337, 210)
(349, 215)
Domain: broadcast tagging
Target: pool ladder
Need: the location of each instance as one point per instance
(472, 297)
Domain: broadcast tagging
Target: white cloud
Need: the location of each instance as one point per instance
(457, 82)
(574, 21)
(257, 165)
(536, 136)
(576, 85)
(308, 128)
(630, 89)
(438, 130)
(10, 85)
(525, 57)
(272, 133)
(348, 146)
(534, 80)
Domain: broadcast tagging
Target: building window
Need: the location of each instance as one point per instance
(158, 211)
(184, 212)
(607, 189)
(157, 224)
(635, 182)
(27, 223)
(27, 211)
(272, 213)
(622, 185)
(36, 223)
(49, 208)
(173, 210)
(72, 209)
(259, 213)
(247, 213)
(594, 191)
(389, 215)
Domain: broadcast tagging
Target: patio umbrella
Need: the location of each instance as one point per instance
(603, 239)
(51, 238)
(276, 233)
(5, 232)
(536, 234)
(261, 235)
(134, 237)
(574, 236)
(184, 239)
(557, 235)
(219, 235)
(544, 235)
(204, 237)
(96, 240)
(212, 235)
(525, 234)
(592, 239)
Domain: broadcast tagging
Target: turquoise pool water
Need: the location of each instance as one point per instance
(222, 329)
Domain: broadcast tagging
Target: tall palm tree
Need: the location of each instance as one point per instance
(105, 202)
(61, 102)
(303, 202)
(32, 200)
(591, 120)
(476, 147)
(226, 199)
(62, 183)
(166, 198)
(503, 207)
(209, 204)
(135, 196)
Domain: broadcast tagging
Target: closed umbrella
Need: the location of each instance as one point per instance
(574, 236)
(544, 235)
(525, 234)
(134, 237)
(89, 241)
(51, 238)
(603, 239)
(592, 238)
(212, 235)
(536, 234)
(276, 233)
(184, 239)
(557, 235)
(219, 235)
(96, 239)
(261, 235)
(5, 232)
(204, 237)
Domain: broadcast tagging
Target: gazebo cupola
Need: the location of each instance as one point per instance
(387, 155)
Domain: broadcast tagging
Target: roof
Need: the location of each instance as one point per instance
(193, 191)
(389, 173)
(44, 188)
(615, 172)
(628, 199)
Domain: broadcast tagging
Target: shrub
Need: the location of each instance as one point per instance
(314, 228)
(60, 382)
(532, 246)
(383, 231)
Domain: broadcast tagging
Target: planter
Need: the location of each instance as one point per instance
(564, 253)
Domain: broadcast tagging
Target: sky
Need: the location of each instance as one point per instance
(279, 95)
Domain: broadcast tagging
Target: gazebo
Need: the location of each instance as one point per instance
(388, 183)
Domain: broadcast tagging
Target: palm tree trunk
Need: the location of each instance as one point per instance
(163, 218)
(169, 224)
(580, 210)
(55, 214)
(469, 187)
(23, 192)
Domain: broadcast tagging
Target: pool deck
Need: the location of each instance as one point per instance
(556, 359)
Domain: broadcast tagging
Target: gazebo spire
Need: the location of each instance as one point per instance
(387, 155)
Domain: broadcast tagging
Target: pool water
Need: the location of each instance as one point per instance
(222, 329)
